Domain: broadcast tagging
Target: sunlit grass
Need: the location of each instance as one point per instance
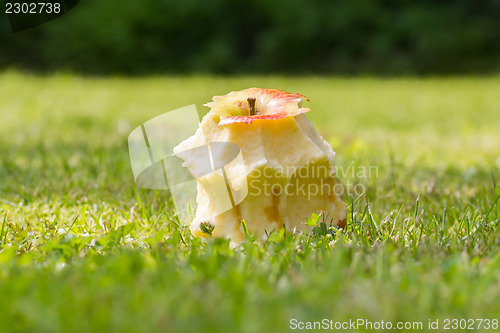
(81, 249)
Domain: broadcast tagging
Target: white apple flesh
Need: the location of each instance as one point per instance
(287, 170)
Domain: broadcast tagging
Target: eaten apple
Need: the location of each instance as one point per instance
(287, 168)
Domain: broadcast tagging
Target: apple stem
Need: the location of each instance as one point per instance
(251, 106)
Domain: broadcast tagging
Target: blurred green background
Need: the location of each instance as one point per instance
(374, 37)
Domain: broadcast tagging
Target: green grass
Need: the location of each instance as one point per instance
(82, 249)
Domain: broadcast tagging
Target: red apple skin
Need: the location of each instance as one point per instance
(271, 104)
(250, 119)
(279, 94)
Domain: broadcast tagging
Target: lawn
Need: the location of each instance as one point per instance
(82, 249)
